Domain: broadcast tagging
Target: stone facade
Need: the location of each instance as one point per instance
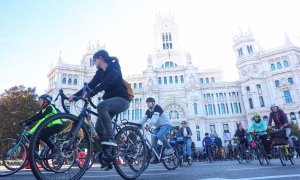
(200, 97)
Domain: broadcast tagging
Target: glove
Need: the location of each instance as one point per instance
(92, 93)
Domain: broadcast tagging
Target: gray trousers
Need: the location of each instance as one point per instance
(107, 109)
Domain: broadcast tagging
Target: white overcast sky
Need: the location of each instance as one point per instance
(33, 32)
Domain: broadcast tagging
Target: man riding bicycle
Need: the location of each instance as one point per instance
(241, 135)
(161, 121)
(186, 132)
(47, 110)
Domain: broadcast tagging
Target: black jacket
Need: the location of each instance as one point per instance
(240, 134)
(110, 81)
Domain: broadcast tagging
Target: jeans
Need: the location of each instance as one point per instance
(161, 133)
(48, 132)
(188, 143)
(287, 133)
(107, 109)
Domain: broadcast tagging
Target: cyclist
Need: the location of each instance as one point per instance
(218, 144)
(161, 121)
(281, 121)
(207, 142)
(260, 127)
(46, 110)
(108, 78)
(187, 134)
(241, 134)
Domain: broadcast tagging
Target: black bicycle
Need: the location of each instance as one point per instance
(260, 150)
(129, 152)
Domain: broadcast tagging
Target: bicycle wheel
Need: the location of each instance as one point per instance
(291, 156)
(209, 155)
(83, 158)
(13, 156)
(260, 154)
(171, 162)
(130, 156)
(60, 163)
(148, 153)
(282, 156)
(239, 155)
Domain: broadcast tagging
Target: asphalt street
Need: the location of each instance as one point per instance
(198, 170)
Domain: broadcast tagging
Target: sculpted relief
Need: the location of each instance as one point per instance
(175, 111)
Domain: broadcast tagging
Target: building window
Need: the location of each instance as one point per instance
(201, 80)
(176, 80)
(134, 85)
(198, 136)
(181, 79)
(69, 81)
(272, 67)
(248, 89)
(64, 81)
(285, 63)
(165, 80)
(258, 87)
(212, 129)
(287, 96)
(279, 66)
(290, 80)
(207, 80)
(171, 80)
(223, 109)
(140, 85)
(212, 79)
(75, 82)
(261, 101)
(250, 103)
(195, 108)
(277, 83)
(206, 112)
(210, 109)
(174, 115)
(225, 128)
(137, 114)
(159, 80)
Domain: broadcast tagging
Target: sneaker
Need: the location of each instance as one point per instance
(189, 158)
(169, 152)
(109, 142)
(153, 161)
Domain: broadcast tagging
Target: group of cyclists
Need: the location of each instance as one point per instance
(108, 78)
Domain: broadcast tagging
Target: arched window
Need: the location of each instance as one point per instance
(250, 103)
(261, 101)
(195, 108)
(285, 63)
(236, 108)
(176, 79)
(287, 96)
(171, 80)
(173, 115)
(134, 85)
(69, 81)
(258, 87)
(165, 80)
(272, 67)
(159, 80)
(277, 83)
(279, 66)
(181, 79)
(64, 81)
(75, 82)
(290, 80)
(206, 112)
(197, 127)
(248, 89)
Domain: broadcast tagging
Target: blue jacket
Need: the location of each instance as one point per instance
(206, 141)
(260, 127)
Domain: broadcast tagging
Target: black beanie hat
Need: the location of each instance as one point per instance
(103, 54)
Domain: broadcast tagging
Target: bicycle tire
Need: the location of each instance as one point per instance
(282, 156)
(291, 157)
(260, 155)
(4, 151)
(131, 150)
(91, 162)
(76, 173)
(171, 160)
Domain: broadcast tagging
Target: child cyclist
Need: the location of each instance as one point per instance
(46, 110)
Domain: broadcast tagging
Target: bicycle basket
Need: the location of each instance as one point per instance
(279, 141)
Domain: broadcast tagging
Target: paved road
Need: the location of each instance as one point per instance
(198, 170)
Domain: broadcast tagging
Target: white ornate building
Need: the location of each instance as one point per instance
(201, 98)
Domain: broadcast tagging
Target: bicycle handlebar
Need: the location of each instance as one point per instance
(85, 95)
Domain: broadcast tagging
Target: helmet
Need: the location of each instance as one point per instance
(46, 97)
(150, 99)
(256, 114)
(273, 105)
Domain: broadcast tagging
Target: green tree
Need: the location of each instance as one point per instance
(16, 104)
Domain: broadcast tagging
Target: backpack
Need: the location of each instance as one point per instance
(129, 90)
